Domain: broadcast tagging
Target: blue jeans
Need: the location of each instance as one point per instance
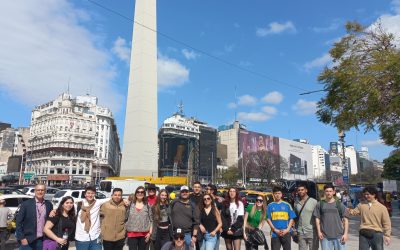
(188, 239)
(218, 240)
(209, 242)
(88, 245)
(34, 245)
(332, 244)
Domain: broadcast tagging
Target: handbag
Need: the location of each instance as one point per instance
(257, 237)
(295, 235)
(238, 232)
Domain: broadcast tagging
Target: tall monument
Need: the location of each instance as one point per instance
(140, 156)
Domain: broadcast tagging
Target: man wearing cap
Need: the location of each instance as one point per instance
(151, 194)
(186, 216)
(178, 243)
(5, 214)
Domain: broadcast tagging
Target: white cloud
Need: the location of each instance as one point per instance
(273, 97)
(371, 143)
(269, 110)
(122, 50)
(232, 105)
(303, 107)
(190, 54)
(253, 116)
(171, 73)
(247, 100)
(276, 28)
(43, 44)
(318, 62)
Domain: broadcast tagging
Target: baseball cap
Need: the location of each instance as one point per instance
(151, 186)
(184, 188)
(178, 232)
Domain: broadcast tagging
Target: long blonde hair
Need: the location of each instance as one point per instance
(263, 208)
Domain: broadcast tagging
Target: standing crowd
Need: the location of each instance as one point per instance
(197, 220)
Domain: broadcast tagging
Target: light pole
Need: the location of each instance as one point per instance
(345, 170)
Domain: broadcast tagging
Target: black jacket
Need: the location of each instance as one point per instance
(26, 219)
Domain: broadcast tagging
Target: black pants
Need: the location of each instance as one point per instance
(162, 237)
(375, 243)
(113, 245)
(136, 243)
(285, 242)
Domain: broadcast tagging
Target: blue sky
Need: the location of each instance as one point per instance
(284, 42)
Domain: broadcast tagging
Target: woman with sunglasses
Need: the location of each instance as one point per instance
(210, 223)
(161, 220)
(140, 220)
(60, 228)
(232, 219)
(254, 219)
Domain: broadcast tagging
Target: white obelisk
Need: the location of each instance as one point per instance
(140, 156)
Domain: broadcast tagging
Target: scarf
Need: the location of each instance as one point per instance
(85, 216)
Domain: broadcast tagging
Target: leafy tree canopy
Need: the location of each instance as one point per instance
(363, 83)
(391, 169)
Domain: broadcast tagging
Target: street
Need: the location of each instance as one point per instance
(352, 244)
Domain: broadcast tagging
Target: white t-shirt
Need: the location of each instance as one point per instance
(236, 211)
(94, 231)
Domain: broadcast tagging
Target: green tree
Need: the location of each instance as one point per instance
(363, 83)
(391, 169)
(231, 176)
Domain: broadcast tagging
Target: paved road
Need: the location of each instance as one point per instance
(352, 244)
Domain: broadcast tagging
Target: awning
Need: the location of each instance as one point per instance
(58, 177)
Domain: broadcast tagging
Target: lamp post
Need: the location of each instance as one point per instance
(345, 170)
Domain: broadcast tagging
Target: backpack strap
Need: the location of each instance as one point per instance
(337, 206)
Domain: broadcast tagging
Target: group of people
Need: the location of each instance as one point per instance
(197, 220)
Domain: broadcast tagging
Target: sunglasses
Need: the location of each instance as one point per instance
(260, 200)
(140, 192)
(185, 191)
(207, 199)
(180, 237)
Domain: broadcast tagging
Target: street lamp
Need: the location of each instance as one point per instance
(345, 170)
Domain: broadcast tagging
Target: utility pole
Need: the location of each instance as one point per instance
(345, 170)
(212, 167)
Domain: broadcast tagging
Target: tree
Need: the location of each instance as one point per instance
(391, 167)
(231, 176)
(363, 83)
(264, 165)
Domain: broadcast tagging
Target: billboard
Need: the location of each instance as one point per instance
(298, 157)
(175, 154)
(250, 142)
(333, 148)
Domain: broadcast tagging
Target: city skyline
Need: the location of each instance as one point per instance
(288, 44)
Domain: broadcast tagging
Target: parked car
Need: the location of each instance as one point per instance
(50, 192)
(7, 190)
(14, 200)
(77, 194)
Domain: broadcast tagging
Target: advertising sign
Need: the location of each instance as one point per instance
(298, 157)
(250, 142)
